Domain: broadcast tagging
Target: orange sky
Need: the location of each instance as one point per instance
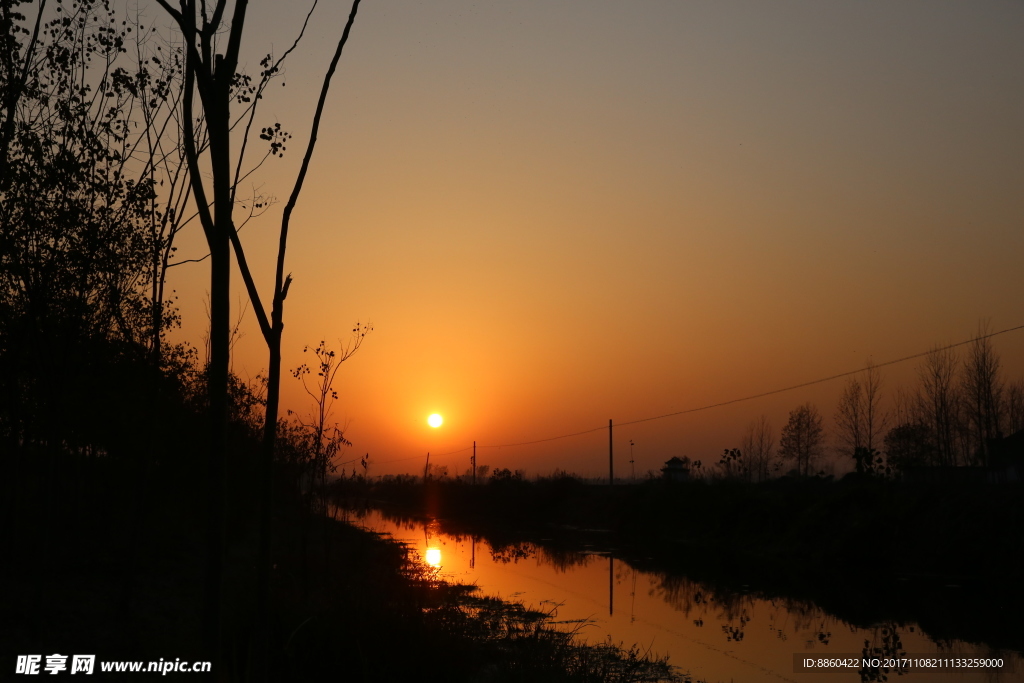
(559, 213)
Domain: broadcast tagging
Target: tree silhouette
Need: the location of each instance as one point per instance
(213, 76)
(909, 445)
(1015, 406)
(734, 464)
(759, 448)
(940, 404)
(801, 439)
(983, 395)
(860, 422)
(84, 238)
(326, 439)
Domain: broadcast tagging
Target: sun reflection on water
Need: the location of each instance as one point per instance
(715, 631)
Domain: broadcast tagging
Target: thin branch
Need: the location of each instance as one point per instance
(250, 284)
(256, 98)
(280, 289)
(191, 260)
(192, 154)
(175, 14)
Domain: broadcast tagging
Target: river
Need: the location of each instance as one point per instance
(714, 636)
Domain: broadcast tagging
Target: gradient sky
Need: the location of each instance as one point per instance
(556, 213)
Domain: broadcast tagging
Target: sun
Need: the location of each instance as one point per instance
(435, 420)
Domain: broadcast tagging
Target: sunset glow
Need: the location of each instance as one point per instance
(722, 298)
(760, 195)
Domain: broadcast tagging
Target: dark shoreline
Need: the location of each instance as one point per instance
(117, 571)
(864, 578)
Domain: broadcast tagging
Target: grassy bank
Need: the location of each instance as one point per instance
(379, 615)
(110, 562)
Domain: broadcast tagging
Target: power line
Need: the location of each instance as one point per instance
(420, 457)
(554, 438)
(729, 402)
(766, 393)
(384, 462)
(824, 379)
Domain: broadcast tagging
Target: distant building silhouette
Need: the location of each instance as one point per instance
(676, 469)
(1006, 458)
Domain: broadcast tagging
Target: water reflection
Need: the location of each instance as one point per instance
(431, 544)
(718, 633)
(513, 553)
(884, 644)
(432, 556)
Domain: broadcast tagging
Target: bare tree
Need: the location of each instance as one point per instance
(759, 448)
(860, 421)
(324, 441)
(324, 436)
(1015, 406)
(850, 418)
(939, 404)
(802, 438)
(875, 419)
(904, 407)
(983, 397)
(214, 77)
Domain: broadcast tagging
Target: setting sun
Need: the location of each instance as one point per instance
(435, 420)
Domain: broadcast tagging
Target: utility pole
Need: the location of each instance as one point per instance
(632, 469)
(474, 463)
(426, 468)
(611, 461)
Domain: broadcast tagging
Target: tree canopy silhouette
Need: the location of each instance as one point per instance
(801, 439)
(85, 240)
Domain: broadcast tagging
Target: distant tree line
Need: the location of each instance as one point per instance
(961, 408)
(955, 416)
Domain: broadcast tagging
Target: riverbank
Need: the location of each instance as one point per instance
(111, 564)
(381, 614)
(867, 551)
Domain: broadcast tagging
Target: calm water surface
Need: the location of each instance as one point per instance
(737, 637)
